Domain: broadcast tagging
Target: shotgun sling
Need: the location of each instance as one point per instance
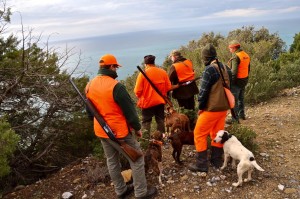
(132, 153)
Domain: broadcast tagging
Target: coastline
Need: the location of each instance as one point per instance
(130, 48)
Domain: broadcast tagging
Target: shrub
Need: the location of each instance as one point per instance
(98, 149)
(8, 143)
(245, 135)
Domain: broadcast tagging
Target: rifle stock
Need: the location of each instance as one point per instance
(132, 153)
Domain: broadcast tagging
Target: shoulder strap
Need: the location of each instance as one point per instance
(221, 73)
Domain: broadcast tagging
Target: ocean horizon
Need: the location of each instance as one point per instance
(130, 48)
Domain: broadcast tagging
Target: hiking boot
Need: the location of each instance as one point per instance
(243, 117)
(201, 163)
(216, 157)
(129, 190)
(151, 192)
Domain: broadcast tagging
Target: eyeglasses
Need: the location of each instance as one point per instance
(115, 66)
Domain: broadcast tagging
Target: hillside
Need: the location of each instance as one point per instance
(277, 124)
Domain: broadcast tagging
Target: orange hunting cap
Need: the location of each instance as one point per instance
(108, 59)
(234, 43)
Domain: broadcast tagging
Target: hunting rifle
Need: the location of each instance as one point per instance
(132, 153)
(154, 87)
(184, 83)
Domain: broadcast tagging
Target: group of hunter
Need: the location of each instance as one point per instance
(113, 102)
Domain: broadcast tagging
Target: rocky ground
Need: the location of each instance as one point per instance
(277, 124)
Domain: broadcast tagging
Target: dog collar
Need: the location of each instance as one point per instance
(156, 142)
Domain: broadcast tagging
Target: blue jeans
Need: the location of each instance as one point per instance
(239, 93)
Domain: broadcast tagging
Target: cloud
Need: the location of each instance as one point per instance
(249, 12)
(73, 19)
(290, 9)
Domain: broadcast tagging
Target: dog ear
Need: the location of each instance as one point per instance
(225, 137)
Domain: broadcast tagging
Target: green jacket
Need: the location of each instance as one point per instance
(235, 61)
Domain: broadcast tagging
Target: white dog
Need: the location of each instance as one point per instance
(233, 148)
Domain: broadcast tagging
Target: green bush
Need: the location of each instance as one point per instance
(8, 143)
(245, 135)
(98, 149)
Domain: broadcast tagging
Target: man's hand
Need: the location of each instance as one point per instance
(200, 111)
(139, 133)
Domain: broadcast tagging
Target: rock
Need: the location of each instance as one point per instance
(67, 195)
(196, 187)
(183, 178)
(264, 154)
(228, 189)
(77, 180)
(223, 177)
(280, 187)
(290, 190)
(215, 179)
(209, 184)
(84, 196)
(202, 174)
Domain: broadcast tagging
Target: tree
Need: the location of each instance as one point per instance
(41, 106)
(260, 44)
(5, 13)
(295, 47)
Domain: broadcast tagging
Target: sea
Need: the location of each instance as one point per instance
(130, 48)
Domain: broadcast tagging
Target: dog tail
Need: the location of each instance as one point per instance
(254, 163)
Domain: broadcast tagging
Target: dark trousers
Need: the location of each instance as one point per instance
(239, 93)
(158, 112)
(188, 103)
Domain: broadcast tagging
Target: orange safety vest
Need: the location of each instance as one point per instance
(100, 91)
(184, 70)
(243, 67)
(147, 96)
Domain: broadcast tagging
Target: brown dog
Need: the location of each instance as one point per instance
(153, 155)
(178, 139)
(176, 120)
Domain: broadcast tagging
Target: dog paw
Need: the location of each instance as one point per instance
(222, 168)
(236, 184)
(247, 180)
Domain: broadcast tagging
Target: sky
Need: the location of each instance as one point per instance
(71, 19)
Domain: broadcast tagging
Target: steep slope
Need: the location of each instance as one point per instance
(277, 124)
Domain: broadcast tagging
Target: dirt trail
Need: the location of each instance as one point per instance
(277, 124)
